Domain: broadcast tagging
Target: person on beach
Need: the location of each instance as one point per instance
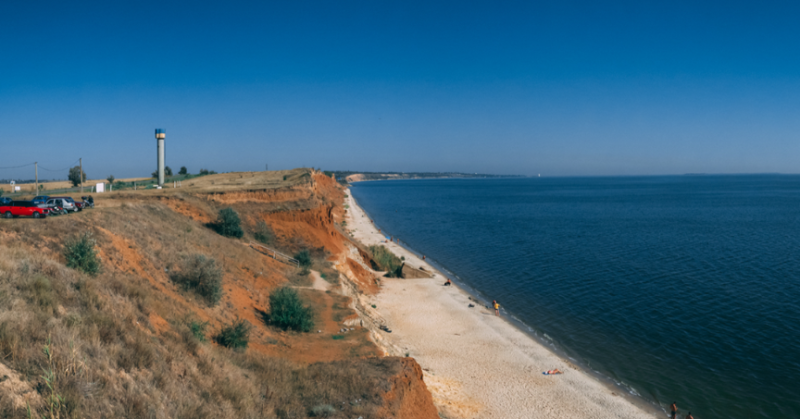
(689, 416)
(448, 283)
(674, 409)
(496, 307)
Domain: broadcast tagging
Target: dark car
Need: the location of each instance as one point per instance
(5, 201)
(40, 200)
(23, 209)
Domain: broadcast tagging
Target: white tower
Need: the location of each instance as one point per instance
(161, 134)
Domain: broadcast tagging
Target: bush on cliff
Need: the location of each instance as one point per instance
(80, 254)
(288, 312)
(228, 223)
(201, 275)
(235, 336)
(263, 233)
(304, 258)
(385, 260)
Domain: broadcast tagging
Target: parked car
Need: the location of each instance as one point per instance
(40, 200)
(64, 202)
(56, 207)
(4, 201)
(23, 209)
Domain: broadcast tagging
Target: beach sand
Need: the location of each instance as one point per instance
(478, 365)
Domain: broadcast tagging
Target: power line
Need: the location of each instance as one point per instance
(59, 170)
(17, 167)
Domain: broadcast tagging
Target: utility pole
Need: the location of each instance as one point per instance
(36, 165)
(81, 175)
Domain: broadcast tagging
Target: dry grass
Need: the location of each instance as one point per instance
(106, 357)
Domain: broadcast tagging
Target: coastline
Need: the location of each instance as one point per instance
(475, 364)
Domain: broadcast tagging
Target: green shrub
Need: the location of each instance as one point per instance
(263, 233)
(236, 335)
(228, 223)
(198, 330)
(304, 258)
(386, 261)
(288, 312)
(201, 275)
(80, 254)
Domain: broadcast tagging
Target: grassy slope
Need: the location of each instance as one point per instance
(119, 344)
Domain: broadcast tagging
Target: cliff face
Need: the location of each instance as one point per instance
(408, 397)
(130, 342)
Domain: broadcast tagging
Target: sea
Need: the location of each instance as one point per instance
(673, 288)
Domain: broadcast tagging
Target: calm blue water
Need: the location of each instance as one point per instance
(685, 288)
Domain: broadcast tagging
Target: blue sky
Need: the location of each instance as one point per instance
(557, 88)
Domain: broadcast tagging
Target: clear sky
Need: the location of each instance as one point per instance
(557, 88)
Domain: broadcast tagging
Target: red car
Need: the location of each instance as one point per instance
(23, 209)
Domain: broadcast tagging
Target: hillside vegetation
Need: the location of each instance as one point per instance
(149, 329)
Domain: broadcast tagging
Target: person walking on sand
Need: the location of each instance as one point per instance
(674, 409)
(496, 307)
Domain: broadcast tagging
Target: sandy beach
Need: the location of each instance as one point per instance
(478, 365)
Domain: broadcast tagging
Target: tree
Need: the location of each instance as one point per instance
(183, 171)
(110, 179)
(76, 176)
(167, 172)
